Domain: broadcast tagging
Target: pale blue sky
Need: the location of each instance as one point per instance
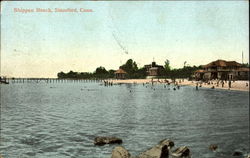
(42, 44)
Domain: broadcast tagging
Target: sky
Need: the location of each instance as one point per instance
(41, 44)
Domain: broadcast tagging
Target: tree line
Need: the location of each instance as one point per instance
(132, 72)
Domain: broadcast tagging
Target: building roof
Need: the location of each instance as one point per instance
(149, 65)
(222, 63)
(200, 71)
(120, 71)
(153, 65)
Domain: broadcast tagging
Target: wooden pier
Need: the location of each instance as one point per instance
(50, 80)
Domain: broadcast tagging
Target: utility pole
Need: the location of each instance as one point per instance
(242, 58)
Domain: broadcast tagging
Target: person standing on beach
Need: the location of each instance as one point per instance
(229, 84)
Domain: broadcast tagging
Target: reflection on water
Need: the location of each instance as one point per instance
(62, 119)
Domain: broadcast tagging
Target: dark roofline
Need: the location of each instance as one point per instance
(221, 63)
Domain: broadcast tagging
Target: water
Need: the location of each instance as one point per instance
(61, 120)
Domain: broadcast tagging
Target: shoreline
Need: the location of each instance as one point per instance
(236, 85)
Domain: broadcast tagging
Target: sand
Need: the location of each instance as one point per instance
(236, 85)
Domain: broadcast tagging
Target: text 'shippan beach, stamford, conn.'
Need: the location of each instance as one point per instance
(124, 79)
(51, 10)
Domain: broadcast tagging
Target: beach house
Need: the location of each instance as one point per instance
(154, 69)
(120, 74)
(223, 70)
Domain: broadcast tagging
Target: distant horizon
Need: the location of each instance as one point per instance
(38, 41)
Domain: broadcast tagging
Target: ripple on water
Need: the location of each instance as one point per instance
(30, 141)
(51, 148)
(76, 139)
(31, 154)
(39, 121)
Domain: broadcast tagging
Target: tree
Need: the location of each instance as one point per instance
(101, 72)
(167, 65)
(61, 75)
(141, 73)
(72, 74)
(111, 73)
(130, 67)
(85, 75)
(245, 65)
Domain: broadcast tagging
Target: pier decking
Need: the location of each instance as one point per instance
(47, 80)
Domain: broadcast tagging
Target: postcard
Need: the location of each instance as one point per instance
(124, 79)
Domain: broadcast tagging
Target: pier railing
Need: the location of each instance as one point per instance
(49, 80)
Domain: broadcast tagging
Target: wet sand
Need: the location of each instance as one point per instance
(236, 85)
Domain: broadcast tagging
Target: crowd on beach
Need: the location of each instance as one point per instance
(218, 83)
(213, 84)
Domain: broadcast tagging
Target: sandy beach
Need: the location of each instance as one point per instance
(235, 85)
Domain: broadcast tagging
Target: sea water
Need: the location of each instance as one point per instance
(61, 120)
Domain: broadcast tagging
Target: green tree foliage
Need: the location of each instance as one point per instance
(167, 65)
(133, 72)
(85, 75)
(185, 72)
(140, 73)
(111, 73)
(61, 75)
(73, 75)
(101, 72)
(245, 65)
(132, 69)
(70, 74)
